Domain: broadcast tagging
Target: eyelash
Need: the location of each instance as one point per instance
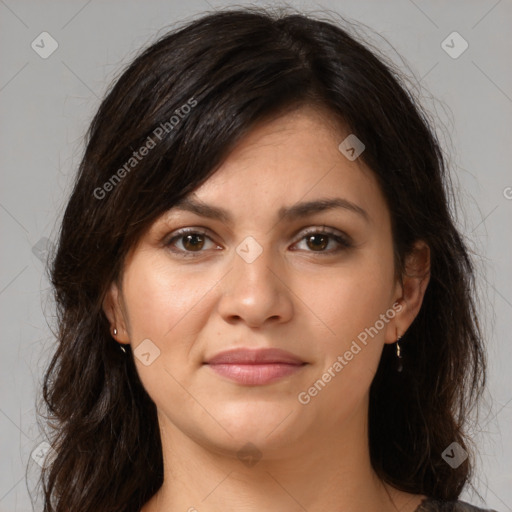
(341, 240)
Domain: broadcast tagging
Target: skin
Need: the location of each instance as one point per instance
(294, 296)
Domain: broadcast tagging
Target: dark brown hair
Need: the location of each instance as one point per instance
(234, 68)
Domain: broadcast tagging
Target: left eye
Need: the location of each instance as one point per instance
(194, 241)
(320, 240)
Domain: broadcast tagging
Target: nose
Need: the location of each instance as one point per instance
(256, 291)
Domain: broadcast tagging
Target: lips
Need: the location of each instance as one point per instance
(255, 356)
(255, 367)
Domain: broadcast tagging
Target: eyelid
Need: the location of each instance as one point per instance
(322, 230)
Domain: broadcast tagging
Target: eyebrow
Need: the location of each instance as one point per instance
(296, 211)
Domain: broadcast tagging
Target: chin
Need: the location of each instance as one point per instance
(262, 423)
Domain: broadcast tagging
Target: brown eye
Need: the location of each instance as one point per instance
(318, 240)
(193, 242)
(189, 242)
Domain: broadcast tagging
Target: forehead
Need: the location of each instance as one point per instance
(286, 160)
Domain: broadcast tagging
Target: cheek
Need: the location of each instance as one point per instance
(352, 298)
(349, 302)
(159, 302)
(162, 308)
(349, 305)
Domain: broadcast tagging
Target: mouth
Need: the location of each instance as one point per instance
(255, 367)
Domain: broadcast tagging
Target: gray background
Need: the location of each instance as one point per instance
(46, 105)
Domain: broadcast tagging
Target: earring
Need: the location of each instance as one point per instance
(120, 346)
(399, 366)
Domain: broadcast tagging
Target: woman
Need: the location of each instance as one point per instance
(264, 303)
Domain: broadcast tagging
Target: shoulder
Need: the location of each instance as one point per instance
(432, 505)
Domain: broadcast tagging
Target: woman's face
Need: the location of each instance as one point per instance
(255, 280)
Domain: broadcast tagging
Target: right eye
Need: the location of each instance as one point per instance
(192, 241)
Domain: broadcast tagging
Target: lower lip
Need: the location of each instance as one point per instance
(255, 374)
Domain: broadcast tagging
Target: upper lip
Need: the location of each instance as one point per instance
(255, 356)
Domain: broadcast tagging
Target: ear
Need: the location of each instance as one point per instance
(410, 293)
(114, 310)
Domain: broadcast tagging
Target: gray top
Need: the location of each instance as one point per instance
(432, 505)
